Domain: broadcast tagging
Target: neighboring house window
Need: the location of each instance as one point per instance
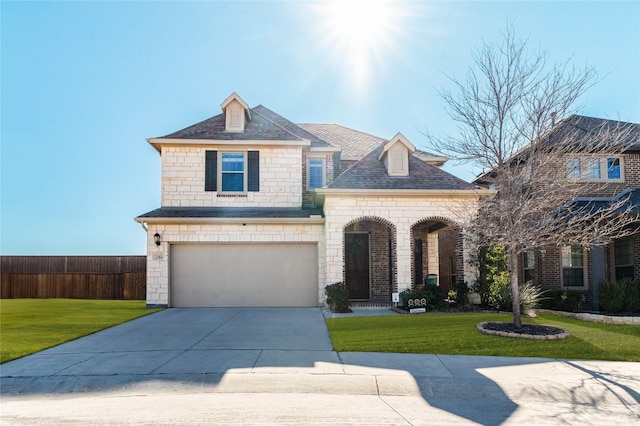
(529, 265)
(573, 168)
(237, 171)
(613, 168)
(595, 169)
(316, 173)
(573, 267)
(623, 258)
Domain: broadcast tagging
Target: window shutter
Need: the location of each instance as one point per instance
(253, 171)
(211, 171)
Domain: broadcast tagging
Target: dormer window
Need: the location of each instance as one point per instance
(236, 112)
(398, 164)
(395, 155)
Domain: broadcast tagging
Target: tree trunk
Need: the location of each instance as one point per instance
(515, 289)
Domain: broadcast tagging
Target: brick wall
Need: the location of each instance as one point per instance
(382, 281)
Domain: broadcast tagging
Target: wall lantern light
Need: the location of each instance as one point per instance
(156, 238)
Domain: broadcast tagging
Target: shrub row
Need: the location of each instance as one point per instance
(620, 296)
(433, 296)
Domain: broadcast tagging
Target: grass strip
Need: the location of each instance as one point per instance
(31, 325)
(456, 334)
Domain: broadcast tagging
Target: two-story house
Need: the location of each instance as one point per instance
(259, 211)
(603, 179)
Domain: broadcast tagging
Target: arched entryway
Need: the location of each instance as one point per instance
(369, 259)
(436, 252)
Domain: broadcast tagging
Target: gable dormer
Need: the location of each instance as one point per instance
(236, 113)
(395, 155)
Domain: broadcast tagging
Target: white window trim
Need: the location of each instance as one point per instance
(245, 172)
(324, 171)
(604, 171)
(585, 272)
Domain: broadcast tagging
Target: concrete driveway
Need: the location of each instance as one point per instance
(273, 365)
(189, 341)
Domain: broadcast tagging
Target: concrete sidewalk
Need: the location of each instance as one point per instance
(254, 367)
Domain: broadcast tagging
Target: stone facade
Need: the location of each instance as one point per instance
(158, 257)
(401, 212)
(183, 170)
(398, 201)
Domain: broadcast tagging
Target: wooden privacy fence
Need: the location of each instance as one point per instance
(73, 277)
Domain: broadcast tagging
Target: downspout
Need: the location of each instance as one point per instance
(144, 226)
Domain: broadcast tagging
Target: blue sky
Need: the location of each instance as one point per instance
(84, 83)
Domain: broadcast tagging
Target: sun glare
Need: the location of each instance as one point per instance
(356, 32)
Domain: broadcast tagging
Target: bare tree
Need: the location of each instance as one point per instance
(508, 109)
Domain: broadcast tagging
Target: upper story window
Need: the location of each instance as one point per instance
(233, 171)
(573, 267)
(623, 258)
(595, 169)
(316, 173)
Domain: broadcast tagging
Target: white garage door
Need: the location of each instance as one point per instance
(234, 275)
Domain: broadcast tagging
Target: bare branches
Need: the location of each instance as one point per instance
(543, 199)
(509, 98)
(557, 176)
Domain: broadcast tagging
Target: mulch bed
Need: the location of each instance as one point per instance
(533, 329)
(527, 331)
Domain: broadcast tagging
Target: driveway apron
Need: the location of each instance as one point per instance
(185, 341)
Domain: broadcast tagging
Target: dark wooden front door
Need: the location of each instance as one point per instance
(357, 270)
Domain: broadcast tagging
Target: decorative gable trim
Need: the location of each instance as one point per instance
(236, 112)
(395, 155)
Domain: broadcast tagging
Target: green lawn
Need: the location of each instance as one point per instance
(31, 325)
(447, 333)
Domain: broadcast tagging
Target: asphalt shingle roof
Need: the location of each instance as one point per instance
(354, 144)
(579, 126)
(264, 125)
(595, 204)
(371, 173)
(231, 212)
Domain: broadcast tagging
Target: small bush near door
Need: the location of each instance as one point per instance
(337, 297)
(620, 296)
(432, 296)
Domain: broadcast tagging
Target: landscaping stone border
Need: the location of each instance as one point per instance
(584, 316)
(560, 336)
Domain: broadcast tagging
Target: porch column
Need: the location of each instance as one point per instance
(334, 252)
(403, 251)
(433, 255)
(470, 272)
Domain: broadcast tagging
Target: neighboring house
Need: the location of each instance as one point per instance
(581, 269)
(259, 211)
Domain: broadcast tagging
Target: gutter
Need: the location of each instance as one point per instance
(408, 192)
(312, 220)
(157, 143)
